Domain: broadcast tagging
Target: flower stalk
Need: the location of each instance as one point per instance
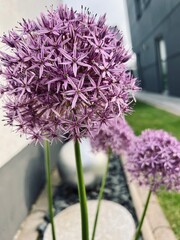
(81, 192)
(49, 187)
(138, 231)
(101, 193)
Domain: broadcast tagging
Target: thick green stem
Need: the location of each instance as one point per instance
(82, 193)
(49, 187)
(103, 183)
(138, 231)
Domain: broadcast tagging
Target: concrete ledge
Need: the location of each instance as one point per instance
(167, 103)
(28, 229)
(155, 226)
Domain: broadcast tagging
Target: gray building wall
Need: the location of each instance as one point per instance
(160, 18)
(22, 178)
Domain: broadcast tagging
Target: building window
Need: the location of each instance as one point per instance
(138, 57)
(162, 64)
(146, 3)
(139, 70)
(139, 8)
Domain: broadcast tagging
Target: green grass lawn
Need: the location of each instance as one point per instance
(146, 116)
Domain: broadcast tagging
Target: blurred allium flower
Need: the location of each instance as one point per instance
(64, 73)
(116, 135)
(154, 160)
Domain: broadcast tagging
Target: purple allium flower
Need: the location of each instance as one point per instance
(65, 73)
(154, 160)
(116, 135)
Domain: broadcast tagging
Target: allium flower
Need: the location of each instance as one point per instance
(116, 135)
(64, 73)
(154, 160)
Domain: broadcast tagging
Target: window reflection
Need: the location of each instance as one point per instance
(162, 64)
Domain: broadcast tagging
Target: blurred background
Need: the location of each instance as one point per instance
(151, 30)
(151, 33)
(156, 41)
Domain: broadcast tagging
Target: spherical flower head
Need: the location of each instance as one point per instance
(116, 135)
(64, 73)
(154, 160)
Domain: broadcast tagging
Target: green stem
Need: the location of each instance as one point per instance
(103, 183)
(82, 193)
(49, 188)
(138, 231)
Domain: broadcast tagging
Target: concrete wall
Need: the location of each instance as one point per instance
(159, 19)
(21, 180)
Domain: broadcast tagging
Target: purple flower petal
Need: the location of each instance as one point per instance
(53, 84)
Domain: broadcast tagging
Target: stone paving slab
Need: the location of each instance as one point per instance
(28, 228)
(115, 222)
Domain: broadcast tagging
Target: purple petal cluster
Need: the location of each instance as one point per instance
(64, 73)
(116, 135)
(154, 160)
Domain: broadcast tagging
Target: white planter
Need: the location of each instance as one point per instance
(114, 223)
(93, 163)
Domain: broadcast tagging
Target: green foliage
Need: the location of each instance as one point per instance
(170, 202)
(146, 116)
